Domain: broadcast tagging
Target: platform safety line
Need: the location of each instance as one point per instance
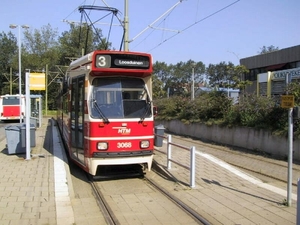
(64, 210)
(247, 177)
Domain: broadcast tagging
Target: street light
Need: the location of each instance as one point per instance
(193, 81)
(13, 26)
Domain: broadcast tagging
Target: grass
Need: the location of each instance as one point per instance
(49, 113)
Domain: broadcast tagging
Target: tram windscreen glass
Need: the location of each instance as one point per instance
(11, 101)
(120, 98)
(122, 61)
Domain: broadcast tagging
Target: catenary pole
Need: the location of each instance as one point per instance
(126, 26)
(13, 26)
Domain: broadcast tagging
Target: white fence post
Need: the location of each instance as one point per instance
(169, 151)
(192, 167)
(298, 202)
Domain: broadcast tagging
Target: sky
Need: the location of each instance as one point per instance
(173, 31)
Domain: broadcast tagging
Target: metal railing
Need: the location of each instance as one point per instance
(192, 165)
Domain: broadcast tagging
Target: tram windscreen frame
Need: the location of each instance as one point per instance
(119, 98)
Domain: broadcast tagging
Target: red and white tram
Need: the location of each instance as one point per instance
(106, 112)
(10, 107)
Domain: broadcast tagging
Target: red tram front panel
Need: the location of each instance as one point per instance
(11, 111)
(121, 137)
(10, 107)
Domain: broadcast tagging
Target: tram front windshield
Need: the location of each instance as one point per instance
(119, 98)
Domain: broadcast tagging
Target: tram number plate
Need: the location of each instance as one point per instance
(124, 145)
(103, 61)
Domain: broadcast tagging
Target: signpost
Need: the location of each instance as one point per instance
(287, 101)
(27, 113)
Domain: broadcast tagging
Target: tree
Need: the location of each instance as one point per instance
(9, 55)
(220, 75)
(237, 78)
(264, 49)
(227, 76)
(42, 49)
(157, 88)
(160, 75)
(78, 41)
(9, 49)
(176, 79)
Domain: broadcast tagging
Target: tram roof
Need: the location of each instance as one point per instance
(89, 57)
(85, 61)
(82, 60)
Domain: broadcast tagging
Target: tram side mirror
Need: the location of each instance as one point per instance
(155, 110)
(296, 113)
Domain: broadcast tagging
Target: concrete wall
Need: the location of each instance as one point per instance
(258, 140)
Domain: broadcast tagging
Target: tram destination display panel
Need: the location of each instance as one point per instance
(125, 61)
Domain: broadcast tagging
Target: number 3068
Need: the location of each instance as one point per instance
(124, 145)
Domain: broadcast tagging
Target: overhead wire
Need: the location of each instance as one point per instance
(163, 21)
(179, 31)
(188, 27)
(73, 11)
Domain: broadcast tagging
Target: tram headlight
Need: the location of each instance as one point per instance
(102, 146)
(144, 144)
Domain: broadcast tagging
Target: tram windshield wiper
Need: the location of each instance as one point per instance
(100, 111)
(148, 107)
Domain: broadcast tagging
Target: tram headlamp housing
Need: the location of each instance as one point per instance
(144, 144)
(102, 146)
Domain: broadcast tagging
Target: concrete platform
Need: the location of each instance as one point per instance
(40, 190)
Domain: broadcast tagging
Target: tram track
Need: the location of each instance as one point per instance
(144, 187)
(108, 214)
(246, 159)
(178, 202)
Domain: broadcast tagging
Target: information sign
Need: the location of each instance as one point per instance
(287, 101)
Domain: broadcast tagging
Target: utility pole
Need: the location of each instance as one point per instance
(10, 81)
(193, 81)
(126, 26)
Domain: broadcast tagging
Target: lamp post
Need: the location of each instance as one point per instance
(193, 81)
(13, 26)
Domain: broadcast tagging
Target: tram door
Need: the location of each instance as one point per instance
(77, 118)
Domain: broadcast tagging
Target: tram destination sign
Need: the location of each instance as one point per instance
(125, 61)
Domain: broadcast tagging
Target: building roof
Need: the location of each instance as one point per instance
(277, 58)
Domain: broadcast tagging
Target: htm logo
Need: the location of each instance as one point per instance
(124, 131)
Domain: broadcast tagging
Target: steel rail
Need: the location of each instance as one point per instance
(108, 214)
(198, 218)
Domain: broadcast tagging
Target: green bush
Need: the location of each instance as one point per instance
(216, 108)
